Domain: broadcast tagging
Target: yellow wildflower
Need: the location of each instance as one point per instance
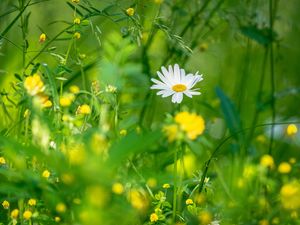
(27, 215)
(205, 217)
(152, 182)
(284, 167)
(2, 161)
(5, 204)
(34, 84)
(158, 1)
(130, 11)
(66, 100)
(76, 1)
(292, 160)
(267, 161)
(123, 132)
(291, 130)
(97, 196)
(77, 20)
(290, 195)
(166, 186)
(138, 200)
(77, 35)
(263, 222)
(84, 109)
(153, 217)
(118, 188)
(42, 38)
(47, 104)
(67, 178)
(74, 89)
(61, 207)
(190, 123)
(171, 132)
(189, 201)
(14, 214)
(46, 174)
(32, 202)
(57, 219)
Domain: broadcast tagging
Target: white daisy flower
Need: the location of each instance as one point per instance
(176, 83)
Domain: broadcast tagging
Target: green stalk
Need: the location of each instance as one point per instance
(175, 185)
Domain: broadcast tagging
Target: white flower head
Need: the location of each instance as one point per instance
(175, 82)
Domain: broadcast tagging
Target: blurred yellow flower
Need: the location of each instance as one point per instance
(290, 195)
(14, 214)
(34, 84)
(166, 186)
(97, 196)
(46, 174)
(171, 132)
(57, 219)
(2, 161)
(84, 109)
(191, 123)
(123, 132)
(61, 207)
(77, 35)
(67, 178)
(267, 161)
(292, 160)
(77, 20)
(118, 188)
(32, 202)
(275, 220)
(189, 201)
(75, 1)
(47, 104)
(153, 217)
(152, 182)
(5, 204)
(66, 100)
(249, 171)
(205, 217)
(74, 89)
(200, 198)
(291, 130)
(284, 167)
(263, 222)
(42, 38)
(158, 1)
(130, 11)
(27, 215)
(138, 200)
(77, 154)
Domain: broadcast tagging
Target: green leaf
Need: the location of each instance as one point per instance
(261, 36)
(230, 112)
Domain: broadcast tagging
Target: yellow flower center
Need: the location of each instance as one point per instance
(179, 87)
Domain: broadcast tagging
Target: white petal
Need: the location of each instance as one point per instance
(179, 97)
(167, 93)
(176, 73)
(165, 71)
(171, 70)
(187, 93)
(157, 81)
(160, 86)
(164, 79)
(174, 98)
(182, 75)
(194, 92)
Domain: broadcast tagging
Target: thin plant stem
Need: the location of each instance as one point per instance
(175, 184)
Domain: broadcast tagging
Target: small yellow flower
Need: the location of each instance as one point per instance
(77, 20)
(189, 201)
(284, 167)
(152, 182)
(76, 1)
(205, 217)
(74, 89)
(130, 11)
(5, 204)
(291, 130)
(118, 188)
(42, 38)
(190, 123)
(46, 174)
(2, 161)
(61, 207)
(57, 219)
(267, 161)
(77, 35)
(158, 1)
(123, 132)
(171, 132)
(263, 222)
(47, 104)
(138, 200)
(153, 217)
(14, 214)
(290, 195)
(32, 202)
(27, 215)
(66, 100)
(84, 109)
(166, 186)
(34, 84)
(203, 47)
(292, 160)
